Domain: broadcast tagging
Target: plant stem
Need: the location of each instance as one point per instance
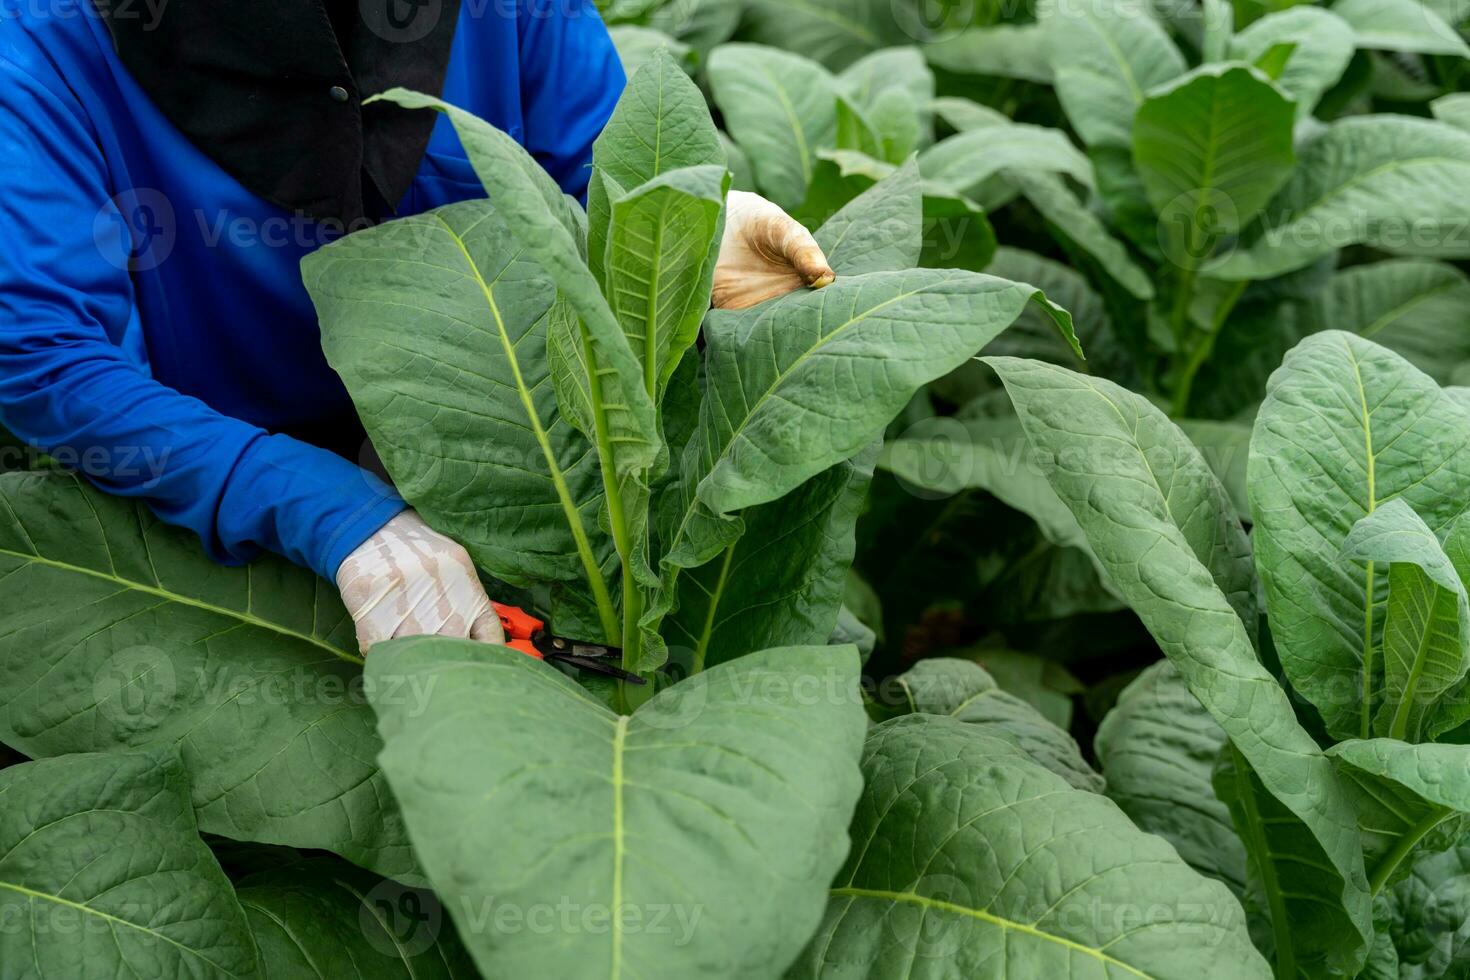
(631, 638)
(1395, 857)
(1371, 460)
(632, 613)
(631, 696)
(605, 611)
(702, 647)
(1201, 351)
(1183, 297)
(1286, 968)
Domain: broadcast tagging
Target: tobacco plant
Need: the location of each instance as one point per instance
(1334, 723)
(222, 787)
(1222, 173)
(556, 420)
(562, 423)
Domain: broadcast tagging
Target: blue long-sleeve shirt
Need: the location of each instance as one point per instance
(173, 372)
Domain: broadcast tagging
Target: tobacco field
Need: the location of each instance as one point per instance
(1076, 587)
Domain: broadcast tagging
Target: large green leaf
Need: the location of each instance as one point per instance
(1007, 50)
(1323, 46)
(781, 108)
(1226, 447)
(880, 230)
(1416, 307)
(1033, 334)
(1426, 625)
(661, 250)
(1104, 58)
(970, 860)
(944, 455)
(103, 874)
(119, 632)
(964, 691)
(1164, 529)
(900, 68)
(637, 46)
(1078, 425)
(891, 128)
(1158, 747)
(1346, 426)
(1073, 220)
(701, 24)
(661, 123)
(1386, 181)
(724, 797)
(1400, 25)
(1403, 792)
(1211, 147)
(320, 919)
(834, 32)
(781, 582)
(1453, 109)
(967, 159)
(438, 325)
(884, 101)
(844, 360)
(605, 394)
(1428, 920)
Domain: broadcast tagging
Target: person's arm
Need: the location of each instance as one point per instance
(571, 78)
(68, 386)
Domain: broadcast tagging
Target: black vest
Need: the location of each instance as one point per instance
(272, 91)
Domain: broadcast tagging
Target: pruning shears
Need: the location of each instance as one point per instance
(528, 634)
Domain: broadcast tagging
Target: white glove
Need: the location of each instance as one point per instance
(764, 253)
(410, 580)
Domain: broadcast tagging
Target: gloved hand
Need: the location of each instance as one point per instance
(410, 580)
(764, 253)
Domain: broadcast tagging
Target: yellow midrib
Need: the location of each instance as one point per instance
(995, 920)
(1371, 465)
(183, 600)
(563, 492)
(619, 845)
(89, 910)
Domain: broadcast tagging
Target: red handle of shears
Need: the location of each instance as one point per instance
(520, 626)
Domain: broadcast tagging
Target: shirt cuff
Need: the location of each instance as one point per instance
(356, 530)
(303, 502)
